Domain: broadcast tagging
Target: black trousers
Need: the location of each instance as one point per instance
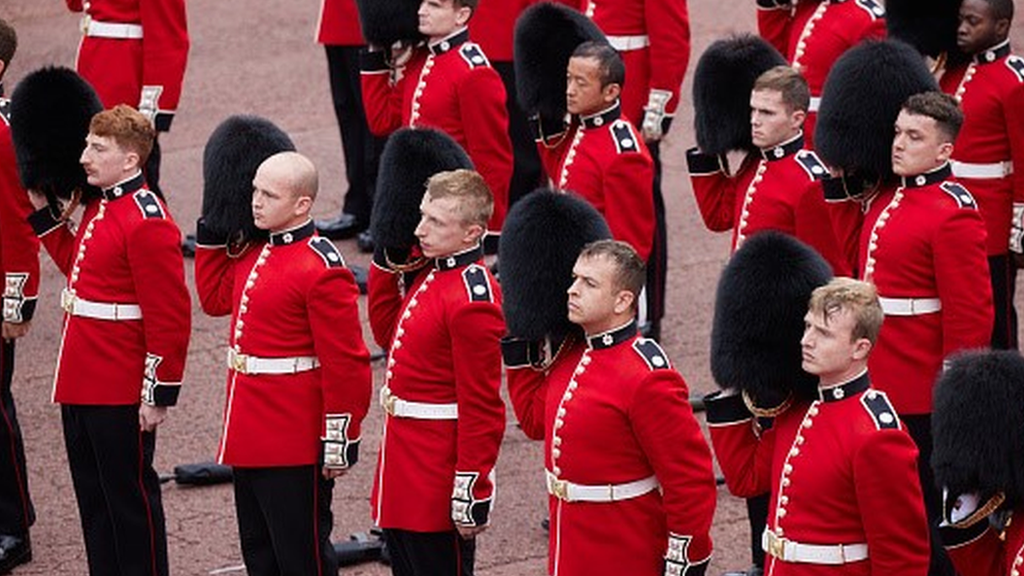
(429, 553)
(920, 428)
(657, 263)
(527, 171)
(16, 511)
(1004, 286)
(285, 521)
(118, 491)
(361, 148)
(152, 168)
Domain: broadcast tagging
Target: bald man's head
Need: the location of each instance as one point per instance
(294, 172)
(284, 189)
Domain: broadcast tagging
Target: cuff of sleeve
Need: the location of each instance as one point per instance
(207, 237)
(339, 452)
(677, 558)
(955, 537)
(18, 310)
(43, 221)
(467, 511)
(725, 409)
(162, 121)
(699, 163)
(520, 353)
(372, 61)
(155, 392)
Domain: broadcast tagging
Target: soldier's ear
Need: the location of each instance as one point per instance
(611, 92)
(861, 349)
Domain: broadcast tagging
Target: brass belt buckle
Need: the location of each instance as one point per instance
(776, 546)
(240, 363)
(560, 489)
(387, 401)
(67, 301)
(84, 24)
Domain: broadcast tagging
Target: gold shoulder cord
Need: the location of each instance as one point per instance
(767, 412)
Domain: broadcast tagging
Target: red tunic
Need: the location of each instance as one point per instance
(127, 250)
(813, 34)
(612, 411)
(603, 159)
(982, 551)
(444, 349)
(662, 28)
(493, 23)
(841, 471)
(144, 72)
(451, 87)
(19, 246)
(289, 297)
(780, 191)
(991, 93)
(339, 24)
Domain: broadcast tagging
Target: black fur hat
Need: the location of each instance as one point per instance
(978, 425)
(760, 306)
(410, 157)
(722, 83)
(385, 22)
(862, 97)
(928, 25)
(546, 35)
(50, 113)
(234, 151)
(540, 242)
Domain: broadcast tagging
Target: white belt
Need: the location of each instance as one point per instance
(246, 364)
(571, 492)
(117, 30)
(994, 170)
(815, 104)
(76, 306)
(399, 408)
(789, 551)
(627, 43)
(909, 306)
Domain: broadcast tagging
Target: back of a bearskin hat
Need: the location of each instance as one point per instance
(385, 22)
(928, 25)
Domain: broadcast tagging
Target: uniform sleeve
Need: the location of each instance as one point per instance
(714, 191)
(20, 245)
(960, 260)
(629, 200)
(891, 504)
(347, 382)
(665, 427)
(847, 219)
(668, 29)
(552, 149)
(215, 274)
(744, 457)
(774, 23)
(384, 300)
(527, 389)
(74, 5)
(485, 122)
(974, 553)
(477, 328)
(382, 100)
(1013, 110)
(56, 237)
(814, 227)
(165, 45)
(158, 272)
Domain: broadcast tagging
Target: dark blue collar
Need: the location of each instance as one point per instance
(459, 260)
(125, 187)
(935, 176)
(845, 390)
(994, 53)
(784, 149)
(454, 41)
(612, 337)
(602, 118)
(293, 235)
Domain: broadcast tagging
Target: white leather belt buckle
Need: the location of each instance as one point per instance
(399, 408)
(627, 43)
(115, 30)
(80, 307)
(830, 554)
(571, 492)
(246, 364)
(994, 170)
(909, 306)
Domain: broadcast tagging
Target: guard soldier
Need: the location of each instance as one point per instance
(19, 267)
(124, 341)
(299, 378)
(813, 34)
(611, 387)
(444, 416)
(446, 83)
(988, 158)
(841, 467)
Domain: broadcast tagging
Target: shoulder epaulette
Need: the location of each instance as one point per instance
(811, 164)
(875, 9)
(1016, 65)
(881, 411)
(652, 353)
(960, 194)
(478, 288)
(326, 250)
(149, 204)
(5, 110)
(473, 55)
(624, 136)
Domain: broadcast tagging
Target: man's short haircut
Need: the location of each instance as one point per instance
(300, 173)
(8, 43)
(476, 203)
(858, 297)
(1001, 9)
(609, 63)
(630, 270)
(789, 83)
(126, 126)
(940, 107)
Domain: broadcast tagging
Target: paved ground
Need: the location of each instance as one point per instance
(259, 57)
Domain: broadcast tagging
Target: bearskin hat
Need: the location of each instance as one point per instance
(978, 425)
(928, 25)
(50, 113)
(862, 97)
(234, 151)
(760, 306)
(722, 83)
(385, 22)
(540, 242)
(410, 157)
(546, 35)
